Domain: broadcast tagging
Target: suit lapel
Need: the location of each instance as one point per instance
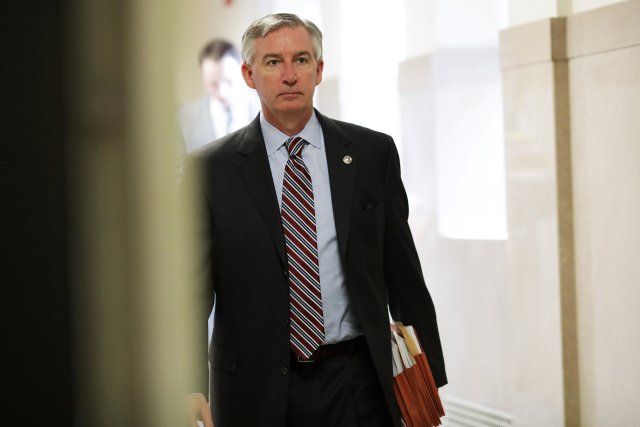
(256, 174)
(342, 164)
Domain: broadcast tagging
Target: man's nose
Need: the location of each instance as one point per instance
(289, 75)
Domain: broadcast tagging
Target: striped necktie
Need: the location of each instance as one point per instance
(299, 225)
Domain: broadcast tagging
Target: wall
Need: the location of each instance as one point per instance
(532, 76)
(604, 53)
(524, 11)
(573, 167)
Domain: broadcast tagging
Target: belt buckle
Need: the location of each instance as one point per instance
(307, 361)
(315, 357)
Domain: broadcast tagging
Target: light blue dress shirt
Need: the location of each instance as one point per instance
(340, 323)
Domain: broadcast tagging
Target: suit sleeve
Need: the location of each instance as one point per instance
(409, 298)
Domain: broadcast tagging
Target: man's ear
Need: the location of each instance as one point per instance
(319, 72)
(247, 75)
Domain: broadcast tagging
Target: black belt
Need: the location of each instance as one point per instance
(330, 351)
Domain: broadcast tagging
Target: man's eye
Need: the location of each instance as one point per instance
(301, 60)
(272, 62)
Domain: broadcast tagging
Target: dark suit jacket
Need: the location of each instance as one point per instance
(246, 259)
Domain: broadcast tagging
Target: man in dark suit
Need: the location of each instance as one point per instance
(307, 253)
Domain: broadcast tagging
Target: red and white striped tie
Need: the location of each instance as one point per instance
(299, 224)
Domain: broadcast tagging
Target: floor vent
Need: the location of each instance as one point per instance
(462, 413)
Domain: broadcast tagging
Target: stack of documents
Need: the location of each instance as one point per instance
(415, 389)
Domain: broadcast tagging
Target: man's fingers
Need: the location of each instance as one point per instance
(205, 415)
(198, 411)
(206, 419)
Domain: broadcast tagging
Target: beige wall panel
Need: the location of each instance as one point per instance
(603, 29)
(582, 5)
(540, 41)
(533, 248)
(468, 284)
(605, 97)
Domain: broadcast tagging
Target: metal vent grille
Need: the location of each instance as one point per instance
(462, 413)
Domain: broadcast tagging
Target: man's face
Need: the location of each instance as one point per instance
(219, 77)
(284, 72)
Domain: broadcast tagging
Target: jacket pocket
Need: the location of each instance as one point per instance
(369, 231)
(224, 359)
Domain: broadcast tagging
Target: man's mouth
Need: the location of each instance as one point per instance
(289, 93)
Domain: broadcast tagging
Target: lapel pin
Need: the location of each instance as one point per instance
(347, 160)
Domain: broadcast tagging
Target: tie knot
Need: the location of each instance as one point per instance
(295, 146)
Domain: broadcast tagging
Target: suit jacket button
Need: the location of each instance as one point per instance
(285, 371)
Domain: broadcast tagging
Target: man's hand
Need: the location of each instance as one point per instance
(198, 410)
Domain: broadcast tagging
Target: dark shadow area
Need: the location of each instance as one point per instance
(36, 282)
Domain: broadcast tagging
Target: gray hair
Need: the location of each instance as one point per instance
(263, 26)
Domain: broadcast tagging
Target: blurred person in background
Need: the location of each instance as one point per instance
(226, 105)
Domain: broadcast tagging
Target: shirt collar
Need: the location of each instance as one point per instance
(275, 138)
